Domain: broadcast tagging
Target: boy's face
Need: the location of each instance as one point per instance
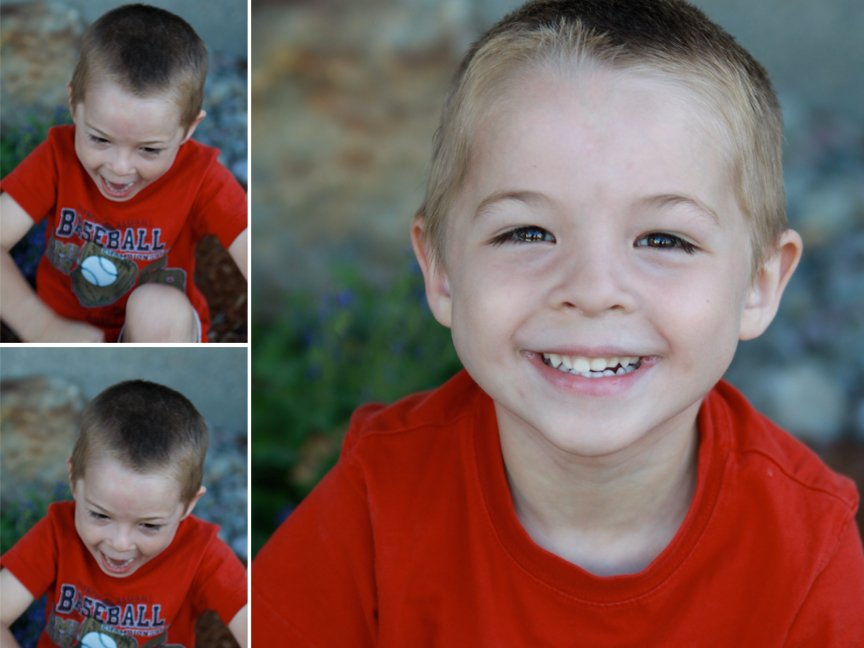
(597, 229)
(126, 142)
(126, 519)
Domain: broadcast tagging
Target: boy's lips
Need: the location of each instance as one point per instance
(117, 190)
(610, 381)
(117, 566)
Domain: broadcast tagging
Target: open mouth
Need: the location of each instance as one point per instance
(116, 566)
(117, 190)
(593, 367)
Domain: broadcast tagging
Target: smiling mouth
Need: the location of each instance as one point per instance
(592, 367)
(116, 566)
(116, 190)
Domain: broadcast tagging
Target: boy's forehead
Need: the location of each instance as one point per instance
(106, 99)
(104, 472)
(619, 113)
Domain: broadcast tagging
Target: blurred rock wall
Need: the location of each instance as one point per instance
(213, 378)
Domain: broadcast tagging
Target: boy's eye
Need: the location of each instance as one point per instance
(663, 240)
(526, 234)
(151, 151)
(152, 527)
(97, 140)
(97, 516)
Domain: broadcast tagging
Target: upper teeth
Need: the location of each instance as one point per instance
(592, 367)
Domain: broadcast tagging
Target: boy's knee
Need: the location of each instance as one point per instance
(157, 313)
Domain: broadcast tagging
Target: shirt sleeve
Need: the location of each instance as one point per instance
(33, 559)
(220, 584)
(220, 207)
(313, 583)
(831, 614)
(34, 182)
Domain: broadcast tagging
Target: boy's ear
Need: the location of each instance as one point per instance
(434, 274)
(194, 501)
(201, 115)
(69, 92)
(768, 286)
(69, 466)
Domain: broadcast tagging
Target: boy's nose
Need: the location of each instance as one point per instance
(122, 540)
(592, 280)
(121, 164)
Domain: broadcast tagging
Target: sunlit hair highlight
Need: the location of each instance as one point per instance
(665, 39)
(148, 428)
(148, 52)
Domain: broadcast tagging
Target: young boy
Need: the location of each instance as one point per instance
(126, 564)
(126, 191)
(604, 221)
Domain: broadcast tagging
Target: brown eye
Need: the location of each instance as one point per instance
(531, 234)
(663, 241)
(527, 234)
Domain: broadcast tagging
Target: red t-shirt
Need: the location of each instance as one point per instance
(151, 237)
(412, 540)
(162, 599)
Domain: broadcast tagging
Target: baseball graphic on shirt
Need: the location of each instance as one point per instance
(102, 277)
(97, 640)
(99, 271)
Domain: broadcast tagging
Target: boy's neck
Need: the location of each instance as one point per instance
(609, 515)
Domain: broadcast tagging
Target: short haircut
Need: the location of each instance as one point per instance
(665, 39)
(148, 428)
(148, 52)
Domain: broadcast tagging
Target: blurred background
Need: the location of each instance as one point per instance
(43, 393)
(346, 97)
(39, 43)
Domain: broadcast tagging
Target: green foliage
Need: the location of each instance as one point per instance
(17, 518)
(319, 362)
(17, 141)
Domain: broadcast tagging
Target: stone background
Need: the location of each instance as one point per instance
(221, 23)
(213, 378)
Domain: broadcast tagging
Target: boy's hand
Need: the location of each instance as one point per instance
(60, 329)
(239, 626)
(14, 600)
(20, 306)
(238, 251)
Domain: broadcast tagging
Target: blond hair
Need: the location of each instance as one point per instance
(665, 38)
(148, 52)
(148, 428)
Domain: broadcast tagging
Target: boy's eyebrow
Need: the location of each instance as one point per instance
(107, 136)
(527, 197)
(104, 510)
(659, 201)
(670, 200)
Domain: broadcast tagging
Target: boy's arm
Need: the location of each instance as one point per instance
(14, 600)
(20, 306)
(239, 251)
(239, 626)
